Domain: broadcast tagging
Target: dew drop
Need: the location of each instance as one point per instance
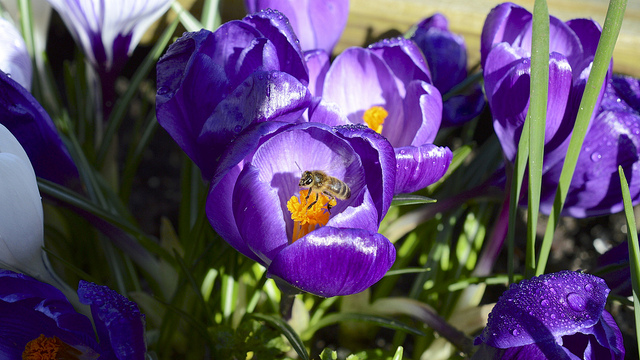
(544, 302)
(596, 156)
(237, 128)
(515, 332)
(162, 90)
(576, 302)
(588, 287)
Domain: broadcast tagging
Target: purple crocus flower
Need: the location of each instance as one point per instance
(212, 86)
(388, 87)
(317, 244)
(109, 31)
(318, 23)
(38, 320)
(612, 140)
(505, 56)
(446, 54)
(21, 113)
(553, 316)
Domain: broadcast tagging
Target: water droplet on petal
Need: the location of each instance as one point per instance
(237, 128)
(544, 302)
(515, 332)
(596, 156)
(163, 90)
(588, 287)
(576, 302)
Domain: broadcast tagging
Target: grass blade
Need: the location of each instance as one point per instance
(287, 331)
(634, 249)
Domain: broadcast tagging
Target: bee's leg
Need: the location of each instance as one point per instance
(331, 197)
(313, 203)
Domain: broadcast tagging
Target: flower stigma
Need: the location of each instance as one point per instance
(45, 348)
(305, 218)
(374, 118)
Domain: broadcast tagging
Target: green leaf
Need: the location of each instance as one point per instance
(398, 354)
(536, 119)
(373, 319)
(634, 249)
(411, 199)
(186, 19)
(328, 354)
(287, 331)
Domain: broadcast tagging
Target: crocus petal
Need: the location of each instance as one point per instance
(506, 22)
(262, 97)
(374, 150)
(333, 262)
(318, 64)
(445, 52)
(420, 166)
(21, 218)
(544, 308)
(108, 31)
(14, 57)
(119, 323)
(30, 308)
(32, 126)
(459, 109)
(405, 60)
(507, 87)
(595, 190)
(318, 24)
(358, 80)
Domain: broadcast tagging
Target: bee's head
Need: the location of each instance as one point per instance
(306, 179)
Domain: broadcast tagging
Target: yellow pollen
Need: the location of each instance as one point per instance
(306, 219)
(374, 117)
(44, 348)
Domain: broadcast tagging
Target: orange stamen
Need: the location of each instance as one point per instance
(374, 118)
(306, 219)
(44, 348)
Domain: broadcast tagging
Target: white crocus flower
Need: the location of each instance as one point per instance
(14, 57)
(21, 218)
(109, 30)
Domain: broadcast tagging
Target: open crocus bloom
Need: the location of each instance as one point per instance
(553, 316)
(14, 58)
(257, 206)
(387, 86)
(212, 86)
(109, 31)
(318, 24)
(38, 322)
(21, 113)
(446, 54)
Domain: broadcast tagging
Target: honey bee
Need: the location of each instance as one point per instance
(319, 182)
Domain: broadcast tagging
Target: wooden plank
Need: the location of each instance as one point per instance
(375, 17)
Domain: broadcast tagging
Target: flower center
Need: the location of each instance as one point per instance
(374, 117)
(308, 212)
(44, 348)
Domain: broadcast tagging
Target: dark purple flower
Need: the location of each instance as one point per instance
(388, 87)
(37, 318)
(446, 54)
(256, 204)
(553, 316)
(212, 86)
(318, 24)
(21, 113)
